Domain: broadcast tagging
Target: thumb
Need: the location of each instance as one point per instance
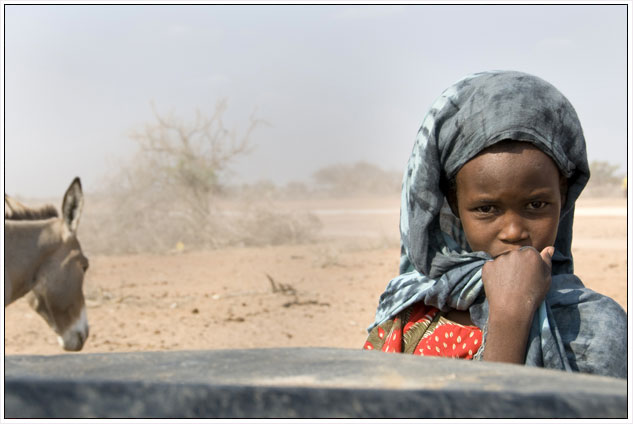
(546, 255)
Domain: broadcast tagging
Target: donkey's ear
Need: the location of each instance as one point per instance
(72, 205)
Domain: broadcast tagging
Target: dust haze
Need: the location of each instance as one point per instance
(270, 219)
(181, 258)
(177, 192)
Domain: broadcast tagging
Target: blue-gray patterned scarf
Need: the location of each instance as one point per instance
(575, 328)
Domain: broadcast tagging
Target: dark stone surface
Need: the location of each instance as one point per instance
(297, 383)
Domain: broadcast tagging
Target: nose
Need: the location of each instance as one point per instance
(514, 229)
(74, 341)
(75, 336)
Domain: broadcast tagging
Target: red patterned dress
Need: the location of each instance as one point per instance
(423, 330)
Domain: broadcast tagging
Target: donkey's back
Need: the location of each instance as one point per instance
(16, 211)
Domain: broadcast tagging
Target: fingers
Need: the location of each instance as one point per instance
(546, 255)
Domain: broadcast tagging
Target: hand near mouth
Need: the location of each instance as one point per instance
(515, 282)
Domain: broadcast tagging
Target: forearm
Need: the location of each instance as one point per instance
(515, 284)
(506, 338)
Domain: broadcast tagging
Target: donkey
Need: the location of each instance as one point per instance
(42, 257)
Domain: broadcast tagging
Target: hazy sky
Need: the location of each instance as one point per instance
(337, 84)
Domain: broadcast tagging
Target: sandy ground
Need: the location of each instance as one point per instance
(320, 294)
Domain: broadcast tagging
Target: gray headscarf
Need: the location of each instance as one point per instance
(575, 328)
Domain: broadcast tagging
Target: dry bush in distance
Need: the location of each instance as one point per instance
(173, 194)
(358, 178)
(605, 181)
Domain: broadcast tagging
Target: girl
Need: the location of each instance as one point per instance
(486, 225)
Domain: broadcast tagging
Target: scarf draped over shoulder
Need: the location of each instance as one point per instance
(575, 328)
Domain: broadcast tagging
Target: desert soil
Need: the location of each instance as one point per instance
(317, 294)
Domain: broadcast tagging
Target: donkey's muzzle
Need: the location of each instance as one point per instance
(75, 336)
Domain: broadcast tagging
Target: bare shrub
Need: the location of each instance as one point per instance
(174, 193)
(192, 157)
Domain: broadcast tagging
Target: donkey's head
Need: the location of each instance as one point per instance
(58, 293)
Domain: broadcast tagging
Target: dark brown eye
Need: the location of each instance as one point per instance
(484, 209)
(537, 204)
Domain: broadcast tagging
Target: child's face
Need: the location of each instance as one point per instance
(509, 196)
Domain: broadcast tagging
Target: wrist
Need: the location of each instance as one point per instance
(515, 312)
